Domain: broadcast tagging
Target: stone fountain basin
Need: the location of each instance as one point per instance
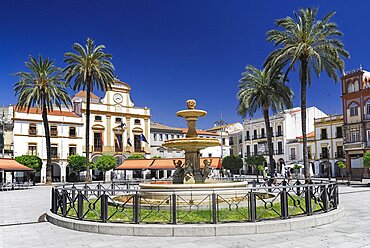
(193, 192)
(191, 113)
(191, 143)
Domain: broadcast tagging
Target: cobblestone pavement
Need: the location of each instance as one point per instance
(20, 210)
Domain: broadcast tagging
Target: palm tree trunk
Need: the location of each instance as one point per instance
(303, 114)
(87, 131)
(269, 139)
(47, 137)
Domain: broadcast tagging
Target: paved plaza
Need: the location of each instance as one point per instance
(20, 211)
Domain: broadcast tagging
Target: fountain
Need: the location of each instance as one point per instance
(190, 172)
(192, 144)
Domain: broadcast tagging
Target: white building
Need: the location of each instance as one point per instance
(66, 133)
(118, 128)
(285, 126)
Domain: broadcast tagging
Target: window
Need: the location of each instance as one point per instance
(292, 153)
(166, 136)
(137, 121)
(254, 134)
(247, 136)
(350, 87)
(356, 86)
(223, 141)
(160, 137)
(72, 150)
(280, 148)
(324, 152)
(324, 135)
(255, 149)
(98, 142)
(155, 137)
(32, 129)
(367, 108)
(53, 131)
(248, 150)
(355, 136)
(279, 132)
(339, 133)
(353, 111)
(137, 143)
(231, 141)
(72, 132)
(32, 149)
(54, 151)
(263, 133)
(210, 155)
(98, 118)
(118, 120)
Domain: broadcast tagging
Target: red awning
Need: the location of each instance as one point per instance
(160, 164)
(7, 164)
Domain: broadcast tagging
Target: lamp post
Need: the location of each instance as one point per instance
(222, 124)
(2, 134)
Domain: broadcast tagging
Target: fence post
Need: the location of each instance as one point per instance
(284, 202)
(252, 206)
(104, 207)
(99, 187)
(335, 196)
(113, 188)
(136, 207)
(174, 208)
(308, 200)
(298, 188)
(64, 203)
(214, 208)
(324, 198)
(53, 205)
(80, 205)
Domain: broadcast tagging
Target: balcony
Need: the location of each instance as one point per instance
(292, 157)
(324, 155)
(339, 154)
(338, 135)
(354, 145)
(109, 149)
(279, 152)
(262, 136)
(255, 137)
(247, 138)
(323, 136)
(279, 134)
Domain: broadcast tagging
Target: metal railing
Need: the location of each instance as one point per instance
(124, 202)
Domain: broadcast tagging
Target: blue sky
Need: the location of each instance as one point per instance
(170, 51)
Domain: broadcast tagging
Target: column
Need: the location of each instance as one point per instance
(109, 130)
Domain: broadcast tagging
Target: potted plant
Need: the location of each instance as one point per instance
(297, 170)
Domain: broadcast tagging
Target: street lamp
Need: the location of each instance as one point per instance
(222, 124)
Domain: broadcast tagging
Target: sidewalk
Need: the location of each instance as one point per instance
(20, 210)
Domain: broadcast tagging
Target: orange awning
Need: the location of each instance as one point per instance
(7, 164)
(160, 164)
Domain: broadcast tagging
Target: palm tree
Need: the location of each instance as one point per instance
(314, 45)
(42, 87)
(91, 69)
(263, 89)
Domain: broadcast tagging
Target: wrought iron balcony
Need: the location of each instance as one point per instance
(339, 154)
(323, 136)
(279, 134)
(324, 155)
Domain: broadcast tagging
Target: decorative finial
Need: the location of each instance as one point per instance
(191, 103)
(360, 67)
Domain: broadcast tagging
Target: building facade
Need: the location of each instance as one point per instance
(356, 117)
(6, 132)
(324, 146)
(285, 126)
(117, 128)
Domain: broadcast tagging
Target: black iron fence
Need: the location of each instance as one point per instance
(124, 202)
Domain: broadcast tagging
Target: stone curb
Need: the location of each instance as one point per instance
(198, 230)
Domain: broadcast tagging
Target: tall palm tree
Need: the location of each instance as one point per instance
(91, 69)
(313, 45)
(263, 89)
(42, 87)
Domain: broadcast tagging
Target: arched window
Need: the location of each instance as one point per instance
(356, 86)
(350, 87)
(353, 109)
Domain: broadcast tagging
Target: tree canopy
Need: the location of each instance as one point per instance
(136, 156)
(367, 159)
(257, 160)
(30, 161)
(232, 163)
(77, 163)
(105, 163)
